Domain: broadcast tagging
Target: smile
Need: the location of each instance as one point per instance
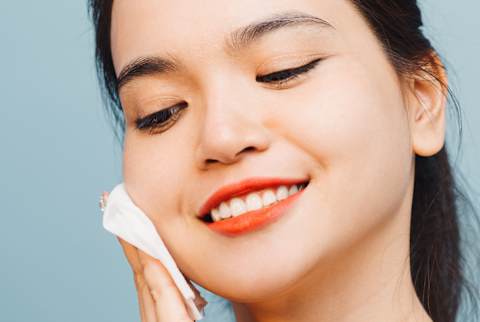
(248, 212)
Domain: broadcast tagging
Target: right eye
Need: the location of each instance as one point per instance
(162, 120)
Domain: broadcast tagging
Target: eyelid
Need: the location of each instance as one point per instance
(286, 78)
(152, 105)
(175, 112)
(285, 62)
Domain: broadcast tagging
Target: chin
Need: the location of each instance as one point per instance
(259, 277)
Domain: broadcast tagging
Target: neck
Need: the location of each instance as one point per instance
(369, 282)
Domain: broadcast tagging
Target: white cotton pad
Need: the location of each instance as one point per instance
(123, 218)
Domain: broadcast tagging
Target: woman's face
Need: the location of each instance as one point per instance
(342, 125)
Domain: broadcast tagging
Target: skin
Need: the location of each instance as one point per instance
(352, 125)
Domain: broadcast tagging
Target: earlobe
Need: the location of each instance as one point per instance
(428, 99)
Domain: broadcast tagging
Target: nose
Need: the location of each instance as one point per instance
(232, 128)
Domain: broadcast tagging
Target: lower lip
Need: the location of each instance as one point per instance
(255, 219)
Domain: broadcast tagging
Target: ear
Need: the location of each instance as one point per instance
(426, 104)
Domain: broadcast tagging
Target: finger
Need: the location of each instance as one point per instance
(141, 305)
(103, 200)
(168, 301)
(147, 306)
(131, 253)
(145, 301)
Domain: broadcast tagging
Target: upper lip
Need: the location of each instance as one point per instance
(242, 187)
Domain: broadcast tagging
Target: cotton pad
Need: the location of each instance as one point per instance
(124, 219)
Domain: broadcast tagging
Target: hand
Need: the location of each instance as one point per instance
(158, 297)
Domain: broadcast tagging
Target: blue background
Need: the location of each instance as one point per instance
(58, 153)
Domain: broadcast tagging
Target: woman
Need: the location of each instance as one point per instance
(328, 116)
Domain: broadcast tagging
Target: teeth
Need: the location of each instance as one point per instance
(224, 210)
(237, 206)
(282, 192)
(293, 189)
(216, 214)
(268, 198)
(253, 201)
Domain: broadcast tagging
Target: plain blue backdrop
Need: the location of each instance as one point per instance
(58, 153)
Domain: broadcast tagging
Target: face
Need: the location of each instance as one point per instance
(342, 124)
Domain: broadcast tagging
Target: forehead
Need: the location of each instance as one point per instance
(186, 27)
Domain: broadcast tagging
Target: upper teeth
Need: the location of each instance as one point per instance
(253, 201)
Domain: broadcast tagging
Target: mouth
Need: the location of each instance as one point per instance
(253, 209)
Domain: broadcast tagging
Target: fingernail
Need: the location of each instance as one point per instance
(200, 301)
(103, 201)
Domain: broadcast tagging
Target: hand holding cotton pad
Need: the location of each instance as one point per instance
(123, 218)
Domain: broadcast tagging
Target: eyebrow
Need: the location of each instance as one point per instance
(234, 42)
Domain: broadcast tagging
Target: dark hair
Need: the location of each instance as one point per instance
(437, 262)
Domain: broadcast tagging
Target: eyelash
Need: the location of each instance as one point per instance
(284, 76)
(161, 119)
(165, 118)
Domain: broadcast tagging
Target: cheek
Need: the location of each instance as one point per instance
(346, 113)
(352, 125)
(152, 177)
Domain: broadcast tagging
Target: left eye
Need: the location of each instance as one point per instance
(283, 76)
